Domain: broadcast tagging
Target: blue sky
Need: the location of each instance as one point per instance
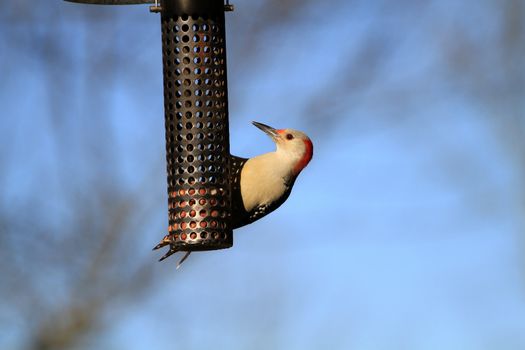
(402, 233)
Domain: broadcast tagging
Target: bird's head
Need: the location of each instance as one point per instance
(292, 144)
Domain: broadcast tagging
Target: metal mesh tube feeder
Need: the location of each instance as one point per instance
(197, 129)
(196, 122)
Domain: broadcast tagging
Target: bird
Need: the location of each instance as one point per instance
(266, 180)
(263, 183)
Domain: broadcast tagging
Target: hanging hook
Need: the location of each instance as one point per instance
(228, 7)
(155, 8)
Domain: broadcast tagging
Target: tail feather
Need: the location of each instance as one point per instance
(167, 240)
(163, 242)
(183, 258)
(168, 254)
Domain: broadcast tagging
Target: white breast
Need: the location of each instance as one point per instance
(264, 180)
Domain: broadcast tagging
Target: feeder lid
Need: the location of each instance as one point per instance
(112, 2)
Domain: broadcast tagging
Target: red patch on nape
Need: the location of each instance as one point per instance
(308, 153)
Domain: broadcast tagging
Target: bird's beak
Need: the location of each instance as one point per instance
(268, 130)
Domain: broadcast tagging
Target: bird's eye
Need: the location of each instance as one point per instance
(289, 136)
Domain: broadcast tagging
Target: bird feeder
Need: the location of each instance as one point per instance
(201, 173)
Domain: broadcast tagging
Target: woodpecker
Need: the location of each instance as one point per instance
(267, 180)
(262, 183)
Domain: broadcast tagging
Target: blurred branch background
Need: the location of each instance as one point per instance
(417, 112)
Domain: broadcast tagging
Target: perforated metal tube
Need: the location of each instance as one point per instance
(196, 120)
